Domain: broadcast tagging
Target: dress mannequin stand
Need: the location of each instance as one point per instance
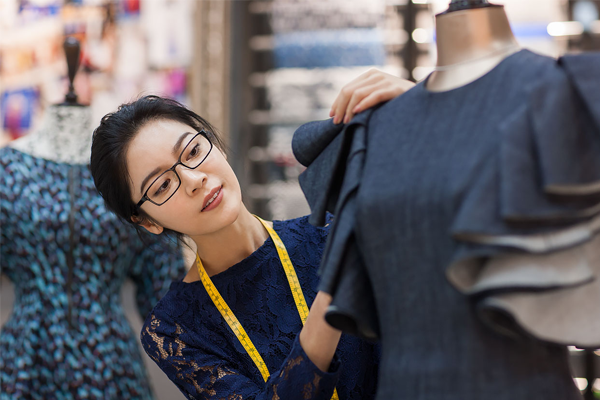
(471, 40)
(65, 134)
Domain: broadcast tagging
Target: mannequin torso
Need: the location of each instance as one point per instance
(65, 136)
(470, 43)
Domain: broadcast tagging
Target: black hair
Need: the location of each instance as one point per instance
(111, 140)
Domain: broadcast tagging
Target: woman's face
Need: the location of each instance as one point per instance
(209, 197)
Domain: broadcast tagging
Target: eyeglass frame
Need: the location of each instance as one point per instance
(173, 168)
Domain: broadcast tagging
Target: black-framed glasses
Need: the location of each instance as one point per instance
(167, 183)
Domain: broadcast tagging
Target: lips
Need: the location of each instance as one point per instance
(211, 197)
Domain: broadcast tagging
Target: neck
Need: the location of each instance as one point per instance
(222, 249)
(469, 44)
(65, 135)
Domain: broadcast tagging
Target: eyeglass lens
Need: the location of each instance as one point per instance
(191, 157)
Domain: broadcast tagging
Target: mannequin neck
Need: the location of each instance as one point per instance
(469, 44)
(64, 135)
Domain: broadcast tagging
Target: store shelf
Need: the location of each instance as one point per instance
(261, 7)
(267, 117)
(31, 33)
(267, 42)
(33, 77)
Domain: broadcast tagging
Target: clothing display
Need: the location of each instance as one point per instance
(68, 257)
(322, 49)
(314, 56)
(305, 35)
(297, 94)
(191, 342)
(294, 16)
(466, 229)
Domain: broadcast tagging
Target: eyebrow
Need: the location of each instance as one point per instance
(178, 143)
(175, 153)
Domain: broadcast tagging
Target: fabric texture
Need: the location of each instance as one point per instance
(474, 214)
(191, 342)
(68, 257)
(329, 48)
(63, 136)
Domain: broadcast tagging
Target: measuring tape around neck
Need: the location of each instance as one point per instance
(232, 320)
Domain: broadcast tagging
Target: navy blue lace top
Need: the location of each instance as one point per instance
(191, 342)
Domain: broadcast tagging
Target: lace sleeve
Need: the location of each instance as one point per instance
(156, 263)
(202, 374)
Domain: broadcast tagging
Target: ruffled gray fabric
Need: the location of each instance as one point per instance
(527, 226)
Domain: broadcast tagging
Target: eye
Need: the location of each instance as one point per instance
(163, 187)
(195, 151)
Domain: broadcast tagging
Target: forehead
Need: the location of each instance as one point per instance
(161, 131)
(152, 148)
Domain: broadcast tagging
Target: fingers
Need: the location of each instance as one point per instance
(375, 97)
(369, 96)
(367, 90)
(340, 105)
(358, 97)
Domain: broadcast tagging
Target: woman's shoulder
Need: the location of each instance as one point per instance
(170, 327)
(304, 242)
(175, 311)
(301, 229)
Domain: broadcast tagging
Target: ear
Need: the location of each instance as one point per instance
(147, 224)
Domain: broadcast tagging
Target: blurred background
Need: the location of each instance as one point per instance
(255, 69)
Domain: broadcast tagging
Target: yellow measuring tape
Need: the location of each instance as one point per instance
(232, 320)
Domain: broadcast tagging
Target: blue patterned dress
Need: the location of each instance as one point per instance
(190, 341)
(68, 257)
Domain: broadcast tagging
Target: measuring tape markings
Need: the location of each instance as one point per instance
(232, 320)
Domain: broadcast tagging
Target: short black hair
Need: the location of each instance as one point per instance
(112, 137)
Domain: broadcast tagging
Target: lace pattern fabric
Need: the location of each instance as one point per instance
(188, 338)
(65, 136)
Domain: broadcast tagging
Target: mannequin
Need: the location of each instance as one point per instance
(472, 38)
(67, 336)
(467, 218)
(65, 132)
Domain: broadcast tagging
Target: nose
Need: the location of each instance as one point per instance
(192, 180)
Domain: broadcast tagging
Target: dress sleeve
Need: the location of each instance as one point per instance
(528, 226)
(203, 371)
(156, 263)
(334, 156)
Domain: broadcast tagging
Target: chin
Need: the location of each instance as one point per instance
(227, 214)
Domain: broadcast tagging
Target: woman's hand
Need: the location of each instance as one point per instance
(371, 88)
(317, 338)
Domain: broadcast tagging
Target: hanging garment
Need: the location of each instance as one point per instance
(466, 229)
(68, 257)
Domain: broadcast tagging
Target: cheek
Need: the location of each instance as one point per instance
(234, 184)
(223, 170)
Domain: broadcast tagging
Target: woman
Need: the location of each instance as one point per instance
(233, 327)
